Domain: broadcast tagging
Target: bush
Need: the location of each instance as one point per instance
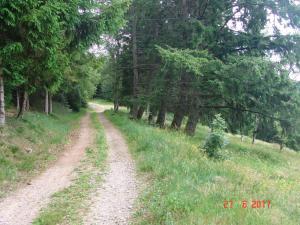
(216, 139)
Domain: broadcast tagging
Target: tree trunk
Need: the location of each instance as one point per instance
(282, 140)
(116, 84)
(18, 100)
(152, 114)
(191, 124)
(50, 104)
(27, 105)
(135, 68)
(253, 137)
(116, 105)
(281, 146)
(177, 120)
(141, 112)
(2, 103)
(134, 111)
(161, 117)
(241, 132)
(182, 103)
(255, 129)
(46, 101)
(23, 106)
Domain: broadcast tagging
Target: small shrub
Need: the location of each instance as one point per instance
(216, 139)
(14, 149)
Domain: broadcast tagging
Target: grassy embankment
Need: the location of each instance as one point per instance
(188, 188)
(70, 205)
(29, 144)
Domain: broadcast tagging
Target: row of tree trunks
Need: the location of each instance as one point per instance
(2, 103)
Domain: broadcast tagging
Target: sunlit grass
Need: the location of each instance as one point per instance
(188, 188)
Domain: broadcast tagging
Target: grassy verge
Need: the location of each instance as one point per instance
(28, 145)
(69, 205)
(188, 188)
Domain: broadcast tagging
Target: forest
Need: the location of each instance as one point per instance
(193, 59)
(199, 94)
(44, 51)
(196, 59)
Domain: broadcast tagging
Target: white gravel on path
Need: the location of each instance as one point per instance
(114, 200)
(22, 206)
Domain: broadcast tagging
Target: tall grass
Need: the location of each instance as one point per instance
(29, 144)
(188, 188)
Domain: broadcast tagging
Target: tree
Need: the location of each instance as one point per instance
(38, 40)
(235, 78)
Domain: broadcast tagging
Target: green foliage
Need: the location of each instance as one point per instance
(81, 79)
(216, 140)
(39, 41)
(214, 58)
(191, 61)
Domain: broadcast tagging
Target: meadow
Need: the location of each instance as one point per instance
(187, 187)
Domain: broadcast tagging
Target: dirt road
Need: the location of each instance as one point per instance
(23, 206)
(114, 201)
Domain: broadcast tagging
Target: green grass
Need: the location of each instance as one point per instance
(188, 188)
(29, 144)
(69, 206)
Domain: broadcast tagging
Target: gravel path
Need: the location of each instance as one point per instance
(114, 200)
(23, 206)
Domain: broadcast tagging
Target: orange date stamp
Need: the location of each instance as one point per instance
(254, 204)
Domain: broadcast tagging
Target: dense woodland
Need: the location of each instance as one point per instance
(44, 50)
(187, 58)
(196, 59)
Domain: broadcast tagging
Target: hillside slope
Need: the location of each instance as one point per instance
(29, 144)
(188, 188)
